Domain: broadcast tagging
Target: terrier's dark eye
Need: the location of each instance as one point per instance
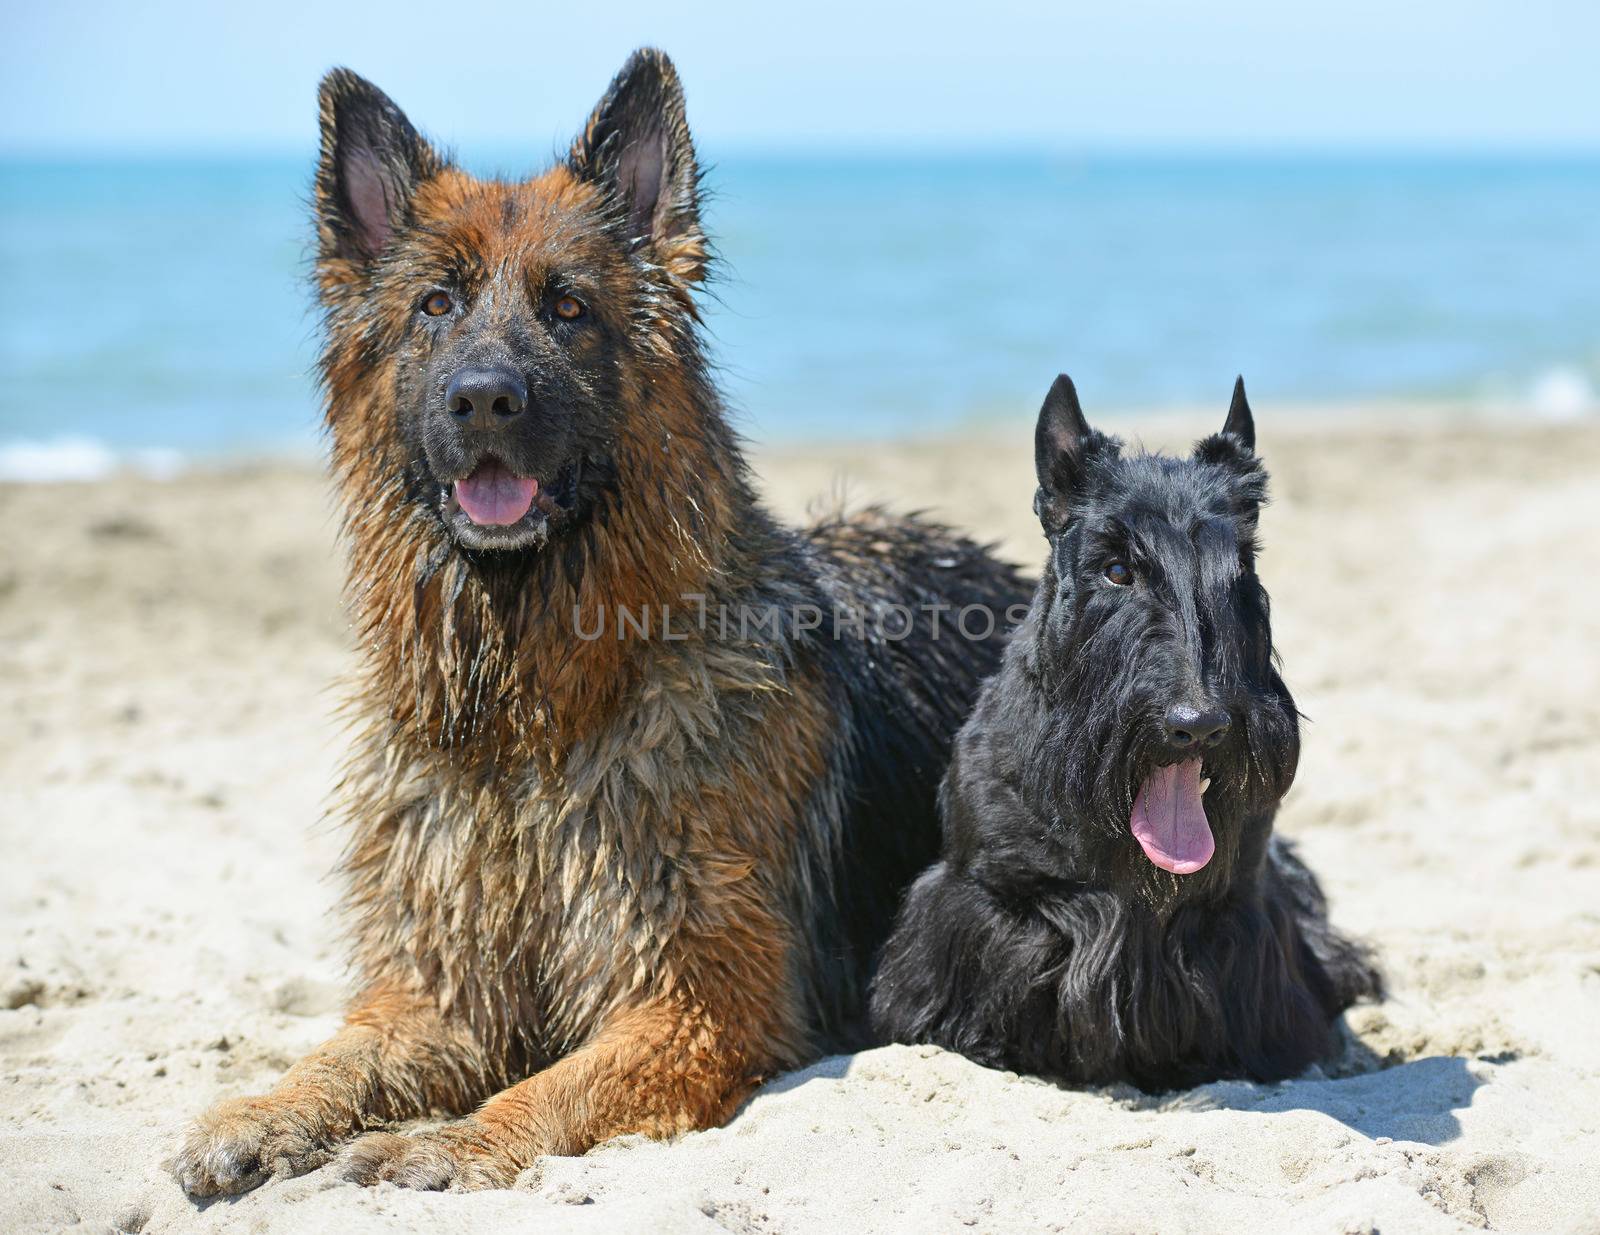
(569, 308)
(438, 304)
(1119, 574)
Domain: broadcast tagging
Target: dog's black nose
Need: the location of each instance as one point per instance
(485, 398)
(1188, 728)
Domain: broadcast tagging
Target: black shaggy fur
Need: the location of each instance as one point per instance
(1044, 940)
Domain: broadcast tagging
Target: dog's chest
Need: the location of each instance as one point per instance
(532, 907)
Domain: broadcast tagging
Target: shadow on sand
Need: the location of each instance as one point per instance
(1415, 1100)
(833, 1068)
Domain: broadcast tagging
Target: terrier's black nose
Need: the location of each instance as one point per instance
(485, 398)
(1189, 729)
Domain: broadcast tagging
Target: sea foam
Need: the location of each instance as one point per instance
(81, 458)
(1563, 394)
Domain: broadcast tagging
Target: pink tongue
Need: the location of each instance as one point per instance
(494, 496)
(1169, 820)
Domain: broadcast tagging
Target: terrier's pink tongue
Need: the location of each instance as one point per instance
(1169, 819)
(494, 495)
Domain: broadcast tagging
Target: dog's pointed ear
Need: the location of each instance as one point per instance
(1239, 422)
(1235, 445)
(1060, 442)
(371, 163)
(636, 147)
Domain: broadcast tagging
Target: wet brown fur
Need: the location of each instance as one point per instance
(586, 879)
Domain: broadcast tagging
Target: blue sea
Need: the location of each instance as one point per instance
(163, 304)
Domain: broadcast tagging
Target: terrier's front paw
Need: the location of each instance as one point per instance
(243, 1142)
(455, 1157)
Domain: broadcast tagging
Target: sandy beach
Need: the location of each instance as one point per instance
(168, 650)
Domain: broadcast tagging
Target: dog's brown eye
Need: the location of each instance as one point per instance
(569, 308)
(1119, 574)
(437, 305)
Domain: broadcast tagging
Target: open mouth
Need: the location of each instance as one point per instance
(494, 506)
(492, 495)
(1169, 818)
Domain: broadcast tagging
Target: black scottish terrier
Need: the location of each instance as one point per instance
(1111, 904)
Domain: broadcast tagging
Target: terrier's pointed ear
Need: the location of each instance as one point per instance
(1240, 423)
(636, 147)
(372, 161)
(1060, 442)
(1235, 446)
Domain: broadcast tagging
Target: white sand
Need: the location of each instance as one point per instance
(166, 743)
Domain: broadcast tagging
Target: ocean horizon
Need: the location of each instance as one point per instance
(168, 312)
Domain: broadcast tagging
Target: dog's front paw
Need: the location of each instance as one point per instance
(456, 1157)
(241, 1143)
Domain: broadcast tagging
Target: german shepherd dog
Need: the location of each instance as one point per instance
(597, 884)
(1112, 904)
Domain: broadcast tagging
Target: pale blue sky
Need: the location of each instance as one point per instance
(1364, 73)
